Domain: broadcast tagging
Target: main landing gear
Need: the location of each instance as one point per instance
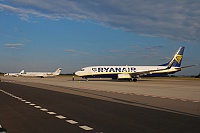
(133, 79)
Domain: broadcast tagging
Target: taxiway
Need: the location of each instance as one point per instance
(62, 105)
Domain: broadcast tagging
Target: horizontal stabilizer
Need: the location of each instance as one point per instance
(188, 66)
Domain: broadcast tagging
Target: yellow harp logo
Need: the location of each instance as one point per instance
(178, 58)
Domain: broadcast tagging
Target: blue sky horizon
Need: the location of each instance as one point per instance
(40, 35)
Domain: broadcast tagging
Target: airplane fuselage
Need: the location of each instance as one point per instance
(132, 72)
(37, 74)
(110, 71)
(12, 74)
(42, 74)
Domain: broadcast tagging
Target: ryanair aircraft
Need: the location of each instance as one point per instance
(133, 72)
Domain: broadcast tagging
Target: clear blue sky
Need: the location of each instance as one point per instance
(41, 35)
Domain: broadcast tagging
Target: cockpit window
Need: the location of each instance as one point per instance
(82, 69)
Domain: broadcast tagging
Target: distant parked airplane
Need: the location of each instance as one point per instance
(14, 74)
(42, 74)
(132, 72)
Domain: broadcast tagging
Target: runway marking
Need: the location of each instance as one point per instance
(71, 121)
(183, 99)
(86, 128)
(60, 117)
(38, 107)
(2, 130)
(44, 109)
(51, 113)
(195, 101)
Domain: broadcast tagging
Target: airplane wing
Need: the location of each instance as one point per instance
(142, 72)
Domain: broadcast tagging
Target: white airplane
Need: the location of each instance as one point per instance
(42, 74)
(14, 74)
(132, 72)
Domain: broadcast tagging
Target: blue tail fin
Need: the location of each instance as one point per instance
(178, 58)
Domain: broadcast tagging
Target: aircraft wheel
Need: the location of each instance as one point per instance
(134, 80)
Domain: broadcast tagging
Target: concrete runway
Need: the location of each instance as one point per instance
(150, 105)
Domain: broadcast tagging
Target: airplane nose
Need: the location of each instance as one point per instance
(77, 73)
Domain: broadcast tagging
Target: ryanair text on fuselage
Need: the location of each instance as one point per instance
(114, 69)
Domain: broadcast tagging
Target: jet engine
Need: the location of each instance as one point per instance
(124, 76)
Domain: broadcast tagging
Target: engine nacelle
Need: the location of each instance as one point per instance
(124, 76)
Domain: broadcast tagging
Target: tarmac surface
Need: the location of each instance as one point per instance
(100, 106)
